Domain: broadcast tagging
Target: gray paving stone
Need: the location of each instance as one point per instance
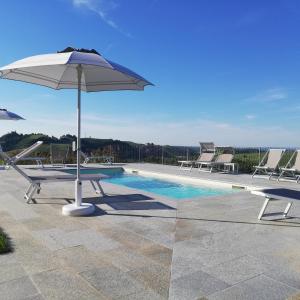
(59, 284)
(19, 288)
(194, 286)
(143, 295)
(112, 282)
(236, 270)
(11, 271)
(183, 266)
(285, 275)
(166, 240)
(124, 259)
(159, 254)
(78, 259)
(35, 297)
(18, 210)
(51, 238)
(260, 287)
(56, 239)
(156, 277)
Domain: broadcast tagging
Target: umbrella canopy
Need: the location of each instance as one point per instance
(60, 71)
(79, 69)
(7, 115)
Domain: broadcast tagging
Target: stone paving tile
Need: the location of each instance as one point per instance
(16, 289)
(56, 239)
(78, 258)
(159, 254)
(34, 257)
(260, 287)
(91, 239)
(143, 295)
(236, 270)
(284, 275)
(183, 266)
(51, 238)
(10, 271)
(124, 259)
(112, 282)
(38, 223)
(166, 240)
(186, 230)
(195, 285)
(128, 239)
(204, 256)
(155, 277)
(35, 297)
(59, 284)
(17, 209)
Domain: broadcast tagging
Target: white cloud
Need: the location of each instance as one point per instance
(102, 8)
(270, 95)
(250, 117)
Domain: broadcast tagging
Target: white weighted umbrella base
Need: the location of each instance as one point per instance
(84, 209)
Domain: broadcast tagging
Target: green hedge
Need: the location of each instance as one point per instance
(5, 242)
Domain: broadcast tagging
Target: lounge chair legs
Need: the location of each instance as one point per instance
(30, 191)
(271, 175)
(97, 187)
(262, 211)
(254, 172)
(287, 209)
(264, 207)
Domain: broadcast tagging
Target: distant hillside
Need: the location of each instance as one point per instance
(123, 151)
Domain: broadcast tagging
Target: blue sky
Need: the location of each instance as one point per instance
(224, 70)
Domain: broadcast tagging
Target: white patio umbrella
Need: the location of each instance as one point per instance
(81, 69)
(7, 115)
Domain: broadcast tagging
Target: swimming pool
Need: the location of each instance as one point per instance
(157, 186)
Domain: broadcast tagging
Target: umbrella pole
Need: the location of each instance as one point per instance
(78, 183)
(78, 208)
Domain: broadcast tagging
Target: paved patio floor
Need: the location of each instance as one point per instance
(142, 246)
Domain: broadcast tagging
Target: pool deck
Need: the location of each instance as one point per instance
(142, 246)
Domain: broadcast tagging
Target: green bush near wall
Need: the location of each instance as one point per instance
(5, 242)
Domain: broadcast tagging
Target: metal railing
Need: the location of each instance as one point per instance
(246, 157)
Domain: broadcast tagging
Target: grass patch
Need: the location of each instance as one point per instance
(5, 242)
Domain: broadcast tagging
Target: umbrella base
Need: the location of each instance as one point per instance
(83, 210)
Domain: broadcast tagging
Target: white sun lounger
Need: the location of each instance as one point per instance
(221, 160)
(201, 160)
(207, 153)
(277, 194)
(107, 159)
(292, 169)
(269, 167)
(23, 155)
(36, 181)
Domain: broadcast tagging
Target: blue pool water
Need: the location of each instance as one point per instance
(157, 186)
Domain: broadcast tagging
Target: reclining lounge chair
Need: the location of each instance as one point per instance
(36, 181)
(207, 153)
(290, 169)
(219, 163)
(270, 166)
(106, 159)
(201, 161)
(23, 155)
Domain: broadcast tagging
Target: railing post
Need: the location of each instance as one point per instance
(187, 153)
